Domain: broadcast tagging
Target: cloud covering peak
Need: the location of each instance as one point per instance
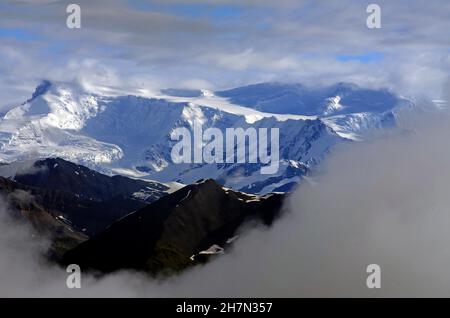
(221, 44)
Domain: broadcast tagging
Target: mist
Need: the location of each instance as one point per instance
(382, 202)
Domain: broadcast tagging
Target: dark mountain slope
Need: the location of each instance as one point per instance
(165, 234)
(59, 174)
(20, 204)
(89, 200)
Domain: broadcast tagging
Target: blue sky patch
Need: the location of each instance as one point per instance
(18, 34)
(370, 57)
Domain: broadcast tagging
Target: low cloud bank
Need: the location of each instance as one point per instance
(385, 202)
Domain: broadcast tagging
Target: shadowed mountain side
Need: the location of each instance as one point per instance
(24, 207)
(88, 199)
(164, 235)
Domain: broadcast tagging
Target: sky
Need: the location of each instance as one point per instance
(217, 44)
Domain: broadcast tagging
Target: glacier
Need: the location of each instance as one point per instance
(130, 134)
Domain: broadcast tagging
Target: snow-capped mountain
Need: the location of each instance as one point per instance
(130, 135)
(338, 99)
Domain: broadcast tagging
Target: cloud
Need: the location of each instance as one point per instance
(21, 266)
(29, 168)
(152, 44)
(22, 196)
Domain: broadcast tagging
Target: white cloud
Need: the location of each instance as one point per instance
(266, 40)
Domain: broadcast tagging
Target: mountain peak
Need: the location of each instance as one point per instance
(288, 98)
(165, 234)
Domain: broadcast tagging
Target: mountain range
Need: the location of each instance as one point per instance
(91, 169)
(129, 135)
(166, 235)
(99, 223)
(88, 200)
